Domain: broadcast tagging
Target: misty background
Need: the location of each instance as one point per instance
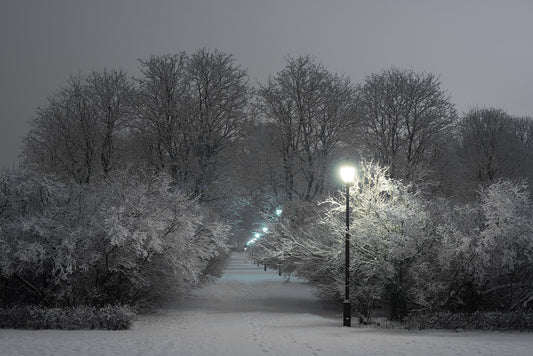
(480, 49)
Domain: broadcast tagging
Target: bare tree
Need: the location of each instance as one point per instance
(217, 111)
(191, 109)
(483, 140)
(522, 131)
(111, 93)
(74, 135)
(402, 115)
(493, 145)
(64, 135)
(309, 108)
(161, 131)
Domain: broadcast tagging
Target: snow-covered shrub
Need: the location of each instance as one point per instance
(128, 239)
(155, 242)
(391, 240)
(116, 317)
(409, 253)
(43, 237)
(292, 243)
(391, 234)
(486, 250)
(502, 321)
(216, 265)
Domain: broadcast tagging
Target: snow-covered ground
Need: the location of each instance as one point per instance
(252, 312)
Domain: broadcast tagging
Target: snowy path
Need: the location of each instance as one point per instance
(252, 312)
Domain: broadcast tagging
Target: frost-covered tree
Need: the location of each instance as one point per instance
(486, 250)
(43, 238)
(125, 239)
(408, 253)
(391, 234)
(156, 239)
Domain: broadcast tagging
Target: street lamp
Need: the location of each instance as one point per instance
(347, 175)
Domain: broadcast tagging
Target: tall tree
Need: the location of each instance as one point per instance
(403, 114)
(483, 139)
(521, 131)
(493, 145)
(309, 108)
(217, 111)
(191, 109)
(64, 135)
(74, 135)
(111, 93)
(161, 130)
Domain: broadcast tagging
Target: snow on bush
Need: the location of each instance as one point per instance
(516, 320)
(127, 239)
(486, 250)
(116, 317)
(390, 235)
(409, 253)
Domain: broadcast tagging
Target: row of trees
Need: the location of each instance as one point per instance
(177, 118)
(400, 119)
(247, 150)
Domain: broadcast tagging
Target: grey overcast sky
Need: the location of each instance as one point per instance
(482, 49)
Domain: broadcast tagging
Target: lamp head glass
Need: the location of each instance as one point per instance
(347, 174)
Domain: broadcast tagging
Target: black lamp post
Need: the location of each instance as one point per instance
(347, 175)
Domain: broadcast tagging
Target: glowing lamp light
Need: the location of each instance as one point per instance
(347, 174)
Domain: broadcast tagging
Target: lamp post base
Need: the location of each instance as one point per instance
(347, 313)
